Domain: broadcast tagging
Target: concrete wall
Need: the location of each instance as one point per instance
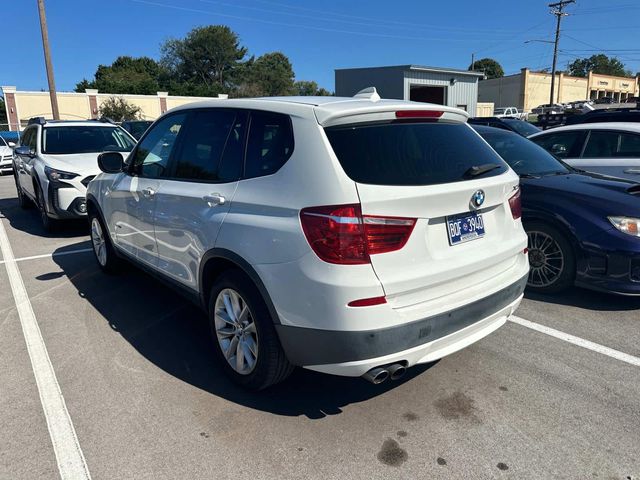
(503, 91)
(23, 105)
(388, 81)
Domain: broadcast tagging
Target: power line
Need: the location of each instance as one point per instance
(297, 25)
(370, 22)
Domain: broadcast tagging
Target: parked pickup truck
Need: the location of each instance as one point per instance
(509, 112)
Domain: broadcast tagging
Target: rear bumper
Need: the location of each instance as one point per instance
(352, 353)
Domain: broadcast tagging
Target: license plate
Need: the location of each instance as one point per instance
(464, 228)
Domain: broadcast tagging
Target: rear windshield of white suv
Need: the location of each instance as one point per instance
(413, 153)
(84, 139)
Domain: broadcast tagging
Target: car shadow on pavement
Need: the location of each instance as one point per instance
(28, 221)
(588, 299)
(172, 333)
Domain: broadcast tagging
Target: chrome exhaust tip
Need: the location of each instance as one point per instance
(397, 371)
(376, 375)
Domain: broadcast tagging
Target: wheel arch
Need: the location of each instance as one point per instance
(558, 223)
(218, 260)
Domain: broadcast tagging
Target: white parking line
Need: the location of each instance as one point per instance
(581, 342)
(47, 255)
(71, 462)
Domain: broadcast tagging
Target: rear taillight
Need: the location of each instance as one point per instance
(341, 234)
(515, 203)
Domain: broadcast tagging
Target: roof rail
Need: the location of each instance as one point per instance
(106, 120)
(369, 93)
(37, 121)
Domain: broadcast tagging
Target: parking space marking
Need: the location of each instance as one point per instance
(581, 342)
(47, 255)
(69, 456)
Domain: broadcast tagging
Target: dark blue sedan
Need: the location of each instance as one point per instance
(583, 228)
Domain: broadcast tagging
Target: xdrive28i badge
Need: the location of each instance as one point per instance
(477, 199)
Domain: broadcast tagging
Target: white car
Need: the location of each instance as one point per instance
(509, 112)
(608, 148)
(351, 236)
(6, 156)
(56, 160)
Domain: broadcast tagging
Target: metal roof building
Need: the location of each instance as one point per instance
(444, 86)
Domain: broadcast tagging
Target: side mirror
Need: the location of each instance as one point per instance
(24, 150)
(559, 148)
(110, 162)
(11, 144)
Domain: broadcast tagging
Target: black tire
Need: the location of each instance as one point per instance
(271, 364)
(23, 201)
(110, 263)
(543, 263)
(48, 223)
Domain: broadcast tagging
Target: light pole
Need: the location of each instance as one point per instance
(47, 61)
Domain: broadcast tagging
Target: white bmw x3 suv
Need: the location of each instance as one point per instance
(56, 160)
(351, 236)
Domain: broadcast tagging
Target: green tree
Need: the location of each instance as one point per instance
(490, 67)
(268, 75)
(140, 75)
(307, 88)
(3, 115)
(119, 110)
(207, 56)
(599, 63)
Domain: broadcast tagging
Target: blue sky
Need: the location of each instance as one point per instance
(317, 36)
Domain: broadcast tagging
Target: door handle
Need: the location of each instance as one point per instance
(633, 170)
(148, 192)
(214, 199)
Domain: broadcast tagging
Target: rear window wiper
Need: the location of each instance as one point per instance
(476, 170)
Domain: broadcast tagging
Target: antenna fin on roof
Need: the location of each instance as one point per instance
(369, 93)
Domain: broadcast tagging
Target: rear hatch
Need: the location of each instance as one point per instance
(418, 165)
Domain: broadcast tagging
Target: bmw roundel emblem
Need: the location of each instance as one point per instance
(477, 199)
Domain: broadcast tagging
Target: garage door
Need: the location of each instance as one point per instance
(427, 94)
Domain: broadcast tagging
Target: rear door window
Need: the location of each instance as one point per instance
(270, 143)
(411, 153)
(203, 143)
(629, 145)
(562, 144)
(601, 144)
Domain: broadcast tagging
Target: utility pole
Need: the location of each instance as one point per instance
(47, 60)
(557, 11)
(473, 61)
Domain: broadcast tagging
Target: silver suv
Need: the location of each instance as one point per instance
(56, 160)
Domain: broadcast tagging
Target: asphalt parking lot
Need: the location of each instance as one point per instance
(146, 399)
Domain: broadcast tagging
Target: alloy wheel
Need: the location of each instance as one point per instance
(98, 241)
(236, 331)
(545, 259)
